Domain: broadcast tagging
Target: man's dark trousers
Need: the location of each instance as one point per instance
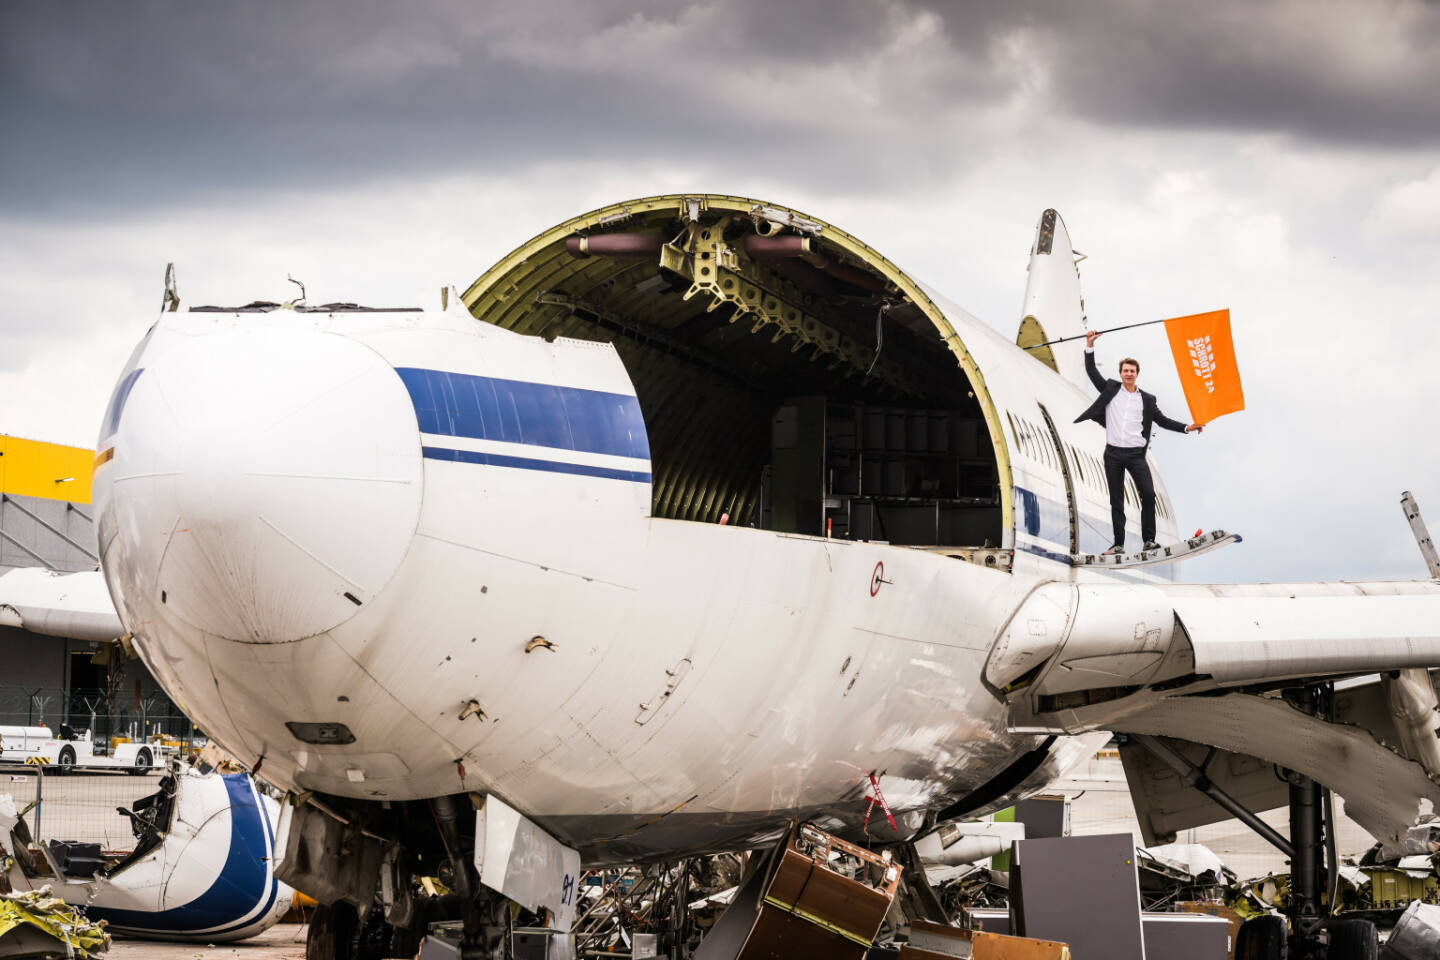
(1117, 461)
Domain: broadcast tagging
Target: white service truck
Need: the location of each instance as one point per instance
(41, 746)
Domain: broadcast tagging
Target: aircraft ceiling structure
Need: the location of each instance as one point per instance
(721, 307)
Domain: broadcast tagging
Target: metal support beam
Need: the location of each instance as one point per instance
(1332, 861)
(1409, 693)
(1305, 835)
(1194, 776)
(43, 562)
(481, 939)
(6, 498)
(1422, 535)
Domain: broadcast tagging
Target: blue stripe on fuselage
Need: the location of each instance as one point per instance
(518, 411)
(244, 883)
(524, 463)
(271, 882)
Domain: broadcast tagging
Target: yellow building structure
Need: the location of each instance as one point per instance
(49, 471)
(46, 521)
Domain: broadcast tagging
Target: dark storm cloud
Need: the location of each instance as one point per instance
(118, 103)
(112, 104)
(1345, 71)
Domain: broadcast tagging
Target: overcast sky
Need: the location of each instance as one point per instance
(1280, 159)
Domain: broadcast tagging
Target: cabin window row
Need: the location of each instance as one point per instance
(1085, 468)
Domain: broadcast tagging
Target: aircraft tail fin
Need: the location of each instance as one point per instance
(1054, 306)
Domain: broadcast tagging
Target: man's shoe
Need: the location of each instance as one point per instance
(1151, 545)
(1118, 548)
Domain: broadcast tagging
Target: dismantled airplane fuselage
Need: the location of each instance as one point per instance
(691, 517)
(418, 554)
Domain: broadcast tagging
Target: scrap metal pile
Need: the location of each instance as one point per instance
(1399, 894)
(816, 895)
(35, 924)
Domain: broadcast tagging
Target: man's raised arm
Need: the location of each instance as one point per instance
(1090, 368)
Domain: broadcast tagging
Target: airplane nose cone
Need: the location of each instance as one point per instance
(270, 479)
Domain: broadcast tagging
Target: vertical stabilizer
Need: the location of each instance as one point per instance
(1054, 307)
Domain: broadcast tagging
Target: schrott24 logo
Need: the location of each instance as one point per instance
(1202, 355)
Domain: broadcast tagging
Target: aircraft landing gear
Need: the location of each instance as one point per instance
(1353, 940)
(484, 913)
(1315, 933)
(1307, 867)
(1311, 851)
(338, 931)
(1262, 938)
(331, 934)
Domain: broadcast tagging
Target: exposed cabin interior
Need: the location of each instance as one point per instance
(784, 381)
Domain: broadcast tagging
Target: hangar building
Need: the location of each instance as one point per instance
(46, 521)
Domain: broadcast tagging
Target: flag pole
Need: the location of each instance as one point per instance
(1081, 336)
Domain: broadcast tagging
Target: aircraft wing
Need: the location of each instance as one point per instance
(1211, 670)
(1072, 645)
(59, 604)
(1243, 635)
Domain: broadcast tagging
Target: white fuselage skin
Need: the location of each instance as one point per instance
(289, 543)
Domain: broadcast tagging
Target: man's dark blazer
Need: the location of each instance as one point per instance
(1108, 389)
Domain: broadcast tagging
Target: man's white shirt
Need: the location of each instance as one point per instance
(1124, 418)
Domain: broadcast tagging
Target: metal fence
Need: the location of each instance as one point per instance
(105, 715)
(77, 806)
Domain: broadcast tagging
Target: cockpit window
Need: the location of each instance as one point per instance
(121, 393)
(117, 403)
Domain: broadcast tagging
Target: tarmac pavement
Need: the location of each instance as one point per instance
(284, 941)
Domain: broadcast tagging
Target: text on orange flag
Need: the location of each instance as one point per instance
(1205, 360)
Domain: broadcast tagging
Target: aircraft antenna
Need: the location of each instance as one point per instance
(171, 301)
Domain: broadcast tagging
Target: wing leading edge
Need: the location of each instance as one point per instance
(1073, 645)
(74, 605)
(1212, 667)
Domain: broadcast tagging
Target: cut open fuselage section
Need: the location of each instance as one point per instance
(786, 378)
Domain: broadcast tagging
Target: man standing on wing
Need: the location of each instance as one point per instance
(1127, 413)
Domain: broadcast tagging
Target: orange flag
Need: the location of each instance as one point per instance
(1205, 359)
